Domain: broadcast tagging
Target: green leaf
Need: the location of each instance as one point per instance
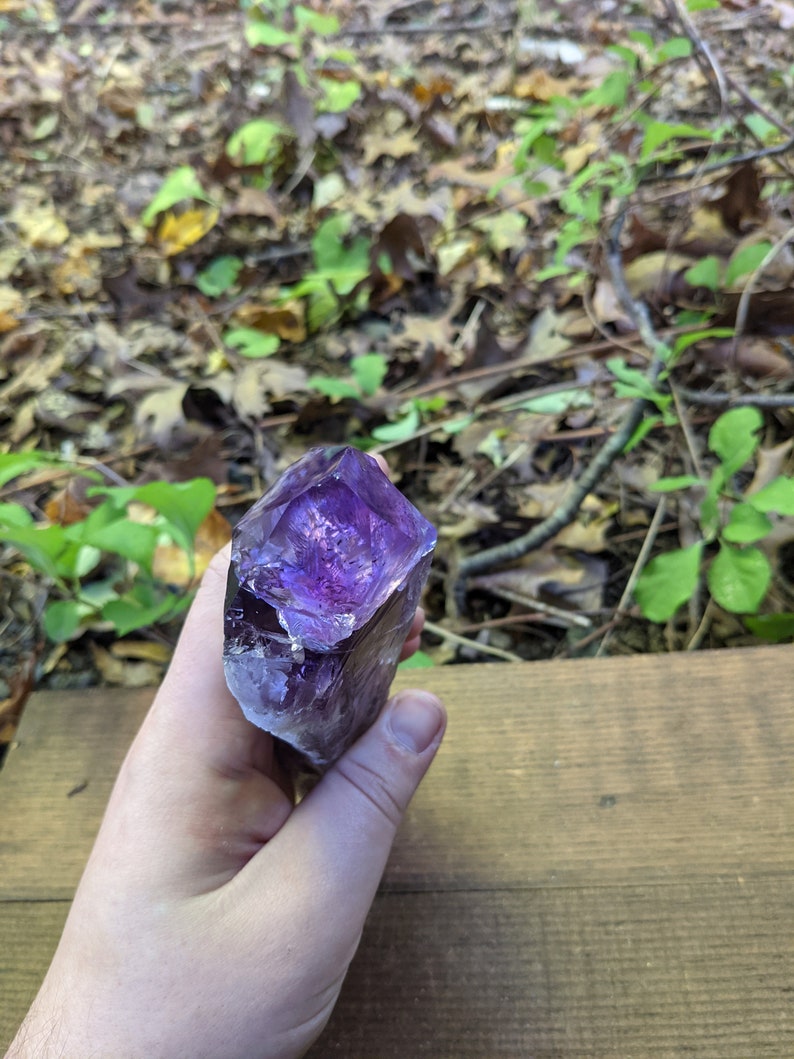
(266, 35)
(321, 24)
(760, 127)
(706, 273)
(639, 36)
(683, 342)
(778, 496)
(681, 481)
(746, 525)
(61, 619)
(219, 276)
(184, 506)
(256, 142)
(329, 387)
(675, 48)
(668, 581)
(131, 540)
(658, 133)
(633, 383)
(702, 5)
(342, 265)
(401, 430)
(14, 515)
(139, 608)
(558, 403)
(339, 95)
(252, 343)
(456, 426)
(42, 546)
(746, 260)
(772, 627)
(85, 558)
(14, 464)
(646, 425)
(369, 371)
(625, 54)
(733, 437)
(324, 306)
(418, 660)
(434, 404)
(612, 92)
(738, 578)
(183, 183)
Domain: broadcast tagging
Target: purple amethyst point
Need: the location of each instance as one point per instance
(327, 570)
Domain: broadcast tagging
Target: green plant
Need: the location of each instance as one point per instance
(340, 266)
(99, 568)
(367, 374)
(710, 272)
(584, 188)
(738, 573)
(410, 418)
(298, 30)
(180, 184)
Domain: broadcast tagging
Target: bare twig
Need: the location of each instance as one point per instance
(717, 167)
(565, 617)
(472, 645)
(744, 301)
(567, 512)
(703, 628)
(683, 419)
(639, 565)
(730, 400)
(703, 51)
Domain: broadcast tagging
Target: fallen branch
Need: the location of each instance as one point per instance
(567, 512)
(730, 400)
(704, 54)
(472, 645)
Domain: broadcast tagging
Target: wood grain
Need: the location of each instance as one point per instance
(619, 972)
(600, 862)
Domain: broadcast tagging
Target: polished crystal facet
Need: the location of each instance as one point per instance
(326, 573)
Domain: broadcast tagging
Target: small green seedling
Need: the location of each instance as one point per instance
(341, 264)
(367, 375)
(99, 569)
(738, 573)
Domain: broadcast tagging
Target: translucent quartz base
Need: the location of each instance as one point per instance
(327, 570)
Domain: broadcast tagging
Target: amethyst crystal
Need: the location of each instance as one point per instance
(326, 573)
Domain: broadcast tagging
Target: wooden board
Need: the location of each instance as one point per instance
(600, 862)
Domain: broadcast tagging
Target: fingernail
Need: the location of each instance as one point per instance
(415, 719)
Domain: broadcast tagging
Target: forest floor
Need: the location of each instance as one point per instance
(467, 234)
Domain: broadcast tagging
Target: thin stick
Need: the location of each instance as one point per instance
(567, 617)
(473, 645)
(754, 400)
(677, 10)
(612, 448)
(744, 301)
(703, 627)
(683, 419)
(628, 591)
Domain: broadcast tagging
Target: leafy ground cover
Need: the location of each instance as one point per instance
(539, 254)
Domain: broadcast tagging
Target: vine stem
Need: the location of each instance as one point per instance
(609, 452)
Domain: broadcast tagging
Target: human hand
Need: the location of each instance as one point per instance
(215, 919)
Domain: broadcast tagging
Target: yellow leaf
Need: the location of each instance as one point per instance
(171, 564)
(177, 233)
(40, 226)
(575, 158)
(11, 305)
(541, 85)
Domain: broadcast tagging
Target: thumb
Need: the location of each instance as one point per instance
(345, 827)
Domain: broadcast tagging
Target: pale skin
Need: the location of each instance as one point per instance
(215, 918)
